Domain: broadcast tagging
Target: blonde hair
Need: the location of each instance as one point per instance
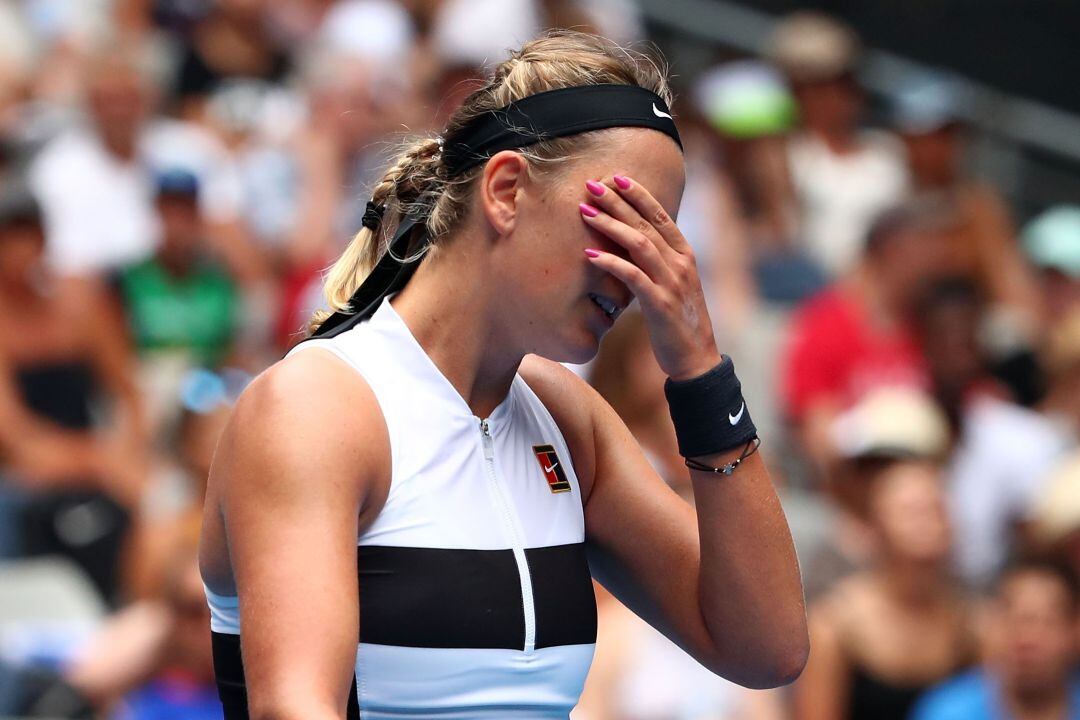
(417, 182)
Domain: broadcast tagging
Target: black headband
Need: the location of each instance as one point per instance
(552, 114)
(543, 116)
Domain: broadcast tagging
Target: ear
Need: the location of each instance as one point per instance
(503, 179)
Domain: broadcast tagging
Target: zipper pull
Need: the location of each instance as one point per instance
(489, 449)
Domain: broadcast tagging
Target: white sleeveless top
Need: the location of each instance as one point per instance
(475, 594)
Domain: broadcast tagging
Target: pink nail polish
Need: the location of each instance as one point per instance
(595, 188)
(622, 181)
(592, 253)
(588, 210)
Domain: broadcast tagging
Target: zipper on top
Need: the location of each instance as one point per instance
(516, 539)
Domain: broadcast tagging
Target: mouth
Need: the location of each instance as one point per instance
(607, 305)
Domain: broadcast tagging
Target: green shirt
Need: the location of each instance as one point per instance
(195, 312)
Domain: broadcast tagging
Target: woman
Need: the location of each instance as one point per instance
(68, 480)
(885, 635)
(470, 475)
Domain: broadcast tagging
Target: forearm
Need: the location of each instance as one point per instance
(749, 585)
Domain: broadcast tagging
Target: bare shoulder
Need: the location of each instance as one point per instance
(309, 425)
(572, 402)
(312, 409)
(849, 605)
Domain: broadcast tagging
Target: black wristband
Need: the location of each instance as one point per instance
(709, 412)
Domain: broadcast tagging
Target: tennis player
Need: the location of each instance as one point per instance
(405, 514)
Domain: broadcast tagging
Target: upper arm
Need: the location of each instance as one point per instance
(642, 537)
(98, 317)
(305, 455)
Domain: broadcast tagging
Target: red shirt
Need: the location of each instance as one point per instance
(836, 355)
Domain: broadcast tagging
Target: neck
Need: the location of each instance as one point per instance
(914, 583)
(1042, 703)
(120, 145)
(882, 306)
(839, 141)
(454, 322)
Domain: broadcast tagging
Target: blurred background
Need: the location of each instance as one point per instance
(885, 202)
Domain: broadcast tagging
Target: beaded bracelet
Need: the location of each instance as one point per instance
(750, 449)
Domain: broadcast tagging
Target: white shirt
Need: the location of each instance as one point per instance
(839, 196)
(997, 472)
(99, 209)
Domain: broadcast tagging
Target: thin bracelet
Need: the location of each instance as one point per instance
(751, 448)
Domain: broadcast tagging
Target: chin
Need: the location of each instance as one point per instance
(576, 351)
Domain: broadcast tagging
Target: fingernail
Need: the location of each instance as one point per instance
(592, 253)
(595, 188)
(589, 210)
(622, 181)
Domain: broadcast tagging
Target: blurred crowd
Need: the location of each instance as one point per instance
(175, 175)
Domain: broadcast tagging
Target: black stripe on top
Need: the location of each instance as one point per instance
(232, 689)
(563, 595)
(451, 598)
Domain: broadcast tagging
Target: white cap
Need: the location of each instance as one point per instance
(901, 422)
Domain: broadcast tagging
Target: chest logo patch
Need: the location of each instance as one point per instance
(552, 468)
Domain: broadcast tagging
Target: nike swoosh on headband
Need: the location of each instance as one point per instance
(660, 113)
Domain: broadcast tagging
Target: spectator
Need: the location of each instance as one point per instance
(638, 674)
(152, 660)
(62, 349)
(750, 109)
(857, 335)
(95, 180)
(709, 217)
(926, 114)
(174, 499)
(231, 40)
(886, 426)
(180, 299)
(883, 636)
(1029, 672)
(1052, 244)
(88, 180)
(842, 176)
(1002, 450)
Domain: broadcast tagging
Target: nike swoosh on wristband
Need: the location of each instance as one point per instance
(660, 113)
(734, 419)
(549, 469)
